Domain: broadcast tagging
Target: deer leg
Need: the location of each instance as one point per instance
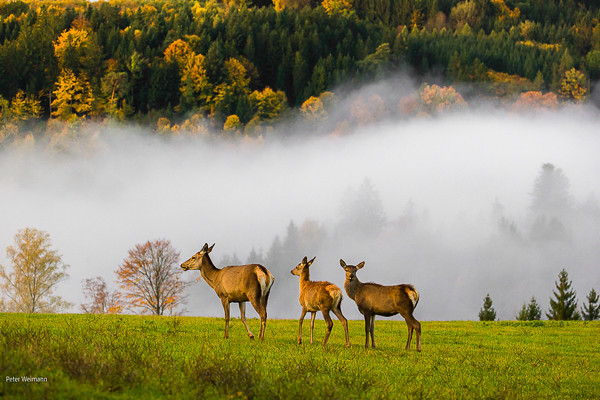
(313, 314)
(367, 329)
(373, 331)
(243, 317)
(338, 313)
(261, 309)
(300, 325)
(329, 324)
(415, 325)
(225, 303)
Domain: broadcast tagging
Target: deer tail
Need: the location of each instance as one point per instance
(413, 295)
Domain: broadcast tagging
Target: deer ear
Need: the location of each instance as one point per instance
(205, 247)
(359, 266)
(210, 248)
(311, 261)
(304, 260)
(342, 263)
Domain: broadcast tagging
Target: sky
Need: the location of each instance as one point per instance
(133, 187)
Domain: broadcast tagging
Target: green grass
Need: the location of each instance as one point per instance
(130, 357)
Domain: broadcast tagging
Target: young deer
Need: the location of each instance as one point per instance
(318, 296)
(235, 284)
(374, 299)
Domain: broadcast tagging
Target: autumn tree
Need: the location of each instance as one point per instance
(99, 299)
(73, 96)
(195, 87)
(77, 50)
(535, 100)
(573, 86)
(433, 99)
(312, 109)
(343, 7)
(24, 107)
(36, 270)
(591, 310)
(466, 13)
(150, 278)
(564, 304)
(487, 312)
(178, 52)
(267, 104)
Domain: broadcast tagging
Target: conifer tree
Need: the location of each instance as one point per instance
(564, 304)
(487, 313)
(530, 312)
(591, 310)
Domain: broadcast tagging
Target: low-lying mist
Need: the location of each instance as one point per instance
(444, 203)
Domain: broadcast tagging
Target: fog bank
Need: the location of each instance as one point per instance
(444, 184)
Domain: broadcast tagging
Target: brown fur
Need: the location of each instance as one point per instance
(235, 284)
(375, 299)
(318, 296)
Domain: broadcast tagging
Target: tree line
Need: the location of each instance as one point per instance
(150, 282)
(237, 65)
(149, 278)
(563, 305)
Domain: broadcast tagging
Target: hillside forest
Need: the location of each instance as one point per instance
(239, 67)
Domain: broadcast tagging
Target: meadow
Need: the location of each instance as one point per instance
(127, 357)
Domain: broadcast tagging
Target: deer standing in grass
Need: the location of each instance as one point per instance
(235, 284)
(318, 296)
(374, 299)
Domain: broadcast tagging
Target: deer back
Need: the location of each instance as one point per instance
(319, 294)
(240, 281)
(386, 300)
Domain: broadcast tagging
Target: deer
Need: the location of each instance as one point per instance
(235, 284)
(374, 299)
(318, 296)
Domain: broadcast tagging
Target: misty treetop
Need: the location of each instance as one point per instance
(231, 66)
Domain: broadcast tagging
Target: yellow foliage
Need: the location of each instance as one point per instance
(232, 123)
(572, 87)
(542, 46)
(337, 6)
(179, 52)
(72, 97)
(312, 109)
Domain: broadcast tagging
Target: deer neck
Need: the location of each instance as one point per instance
(208, 271)
(304, 279)
(351, 287)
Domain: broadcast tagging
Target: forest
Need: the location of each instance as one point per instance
(218, 67)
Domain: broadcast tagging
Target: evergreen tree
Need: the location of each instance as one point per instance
(530, 312)
(487, 313)
(564, 304)
(591, 310)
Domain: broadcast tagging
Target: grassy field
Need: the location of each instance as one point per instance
(122, 357)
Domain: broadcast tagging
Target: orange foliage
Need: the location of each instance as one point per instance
(150, 278)
(369, 111)
(534, 101)
(434, 98)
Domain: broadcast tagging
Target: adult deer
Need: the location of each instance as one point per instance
(318, 296)
(374, 299)
(235, 284)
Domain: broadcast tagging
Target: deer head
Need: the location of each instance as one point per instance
(351, 269)
(302, 266)
(195, 262)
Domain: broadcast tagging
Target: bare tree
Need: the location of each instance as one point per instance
(100, 300)
(150, 279)
(36, 270)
